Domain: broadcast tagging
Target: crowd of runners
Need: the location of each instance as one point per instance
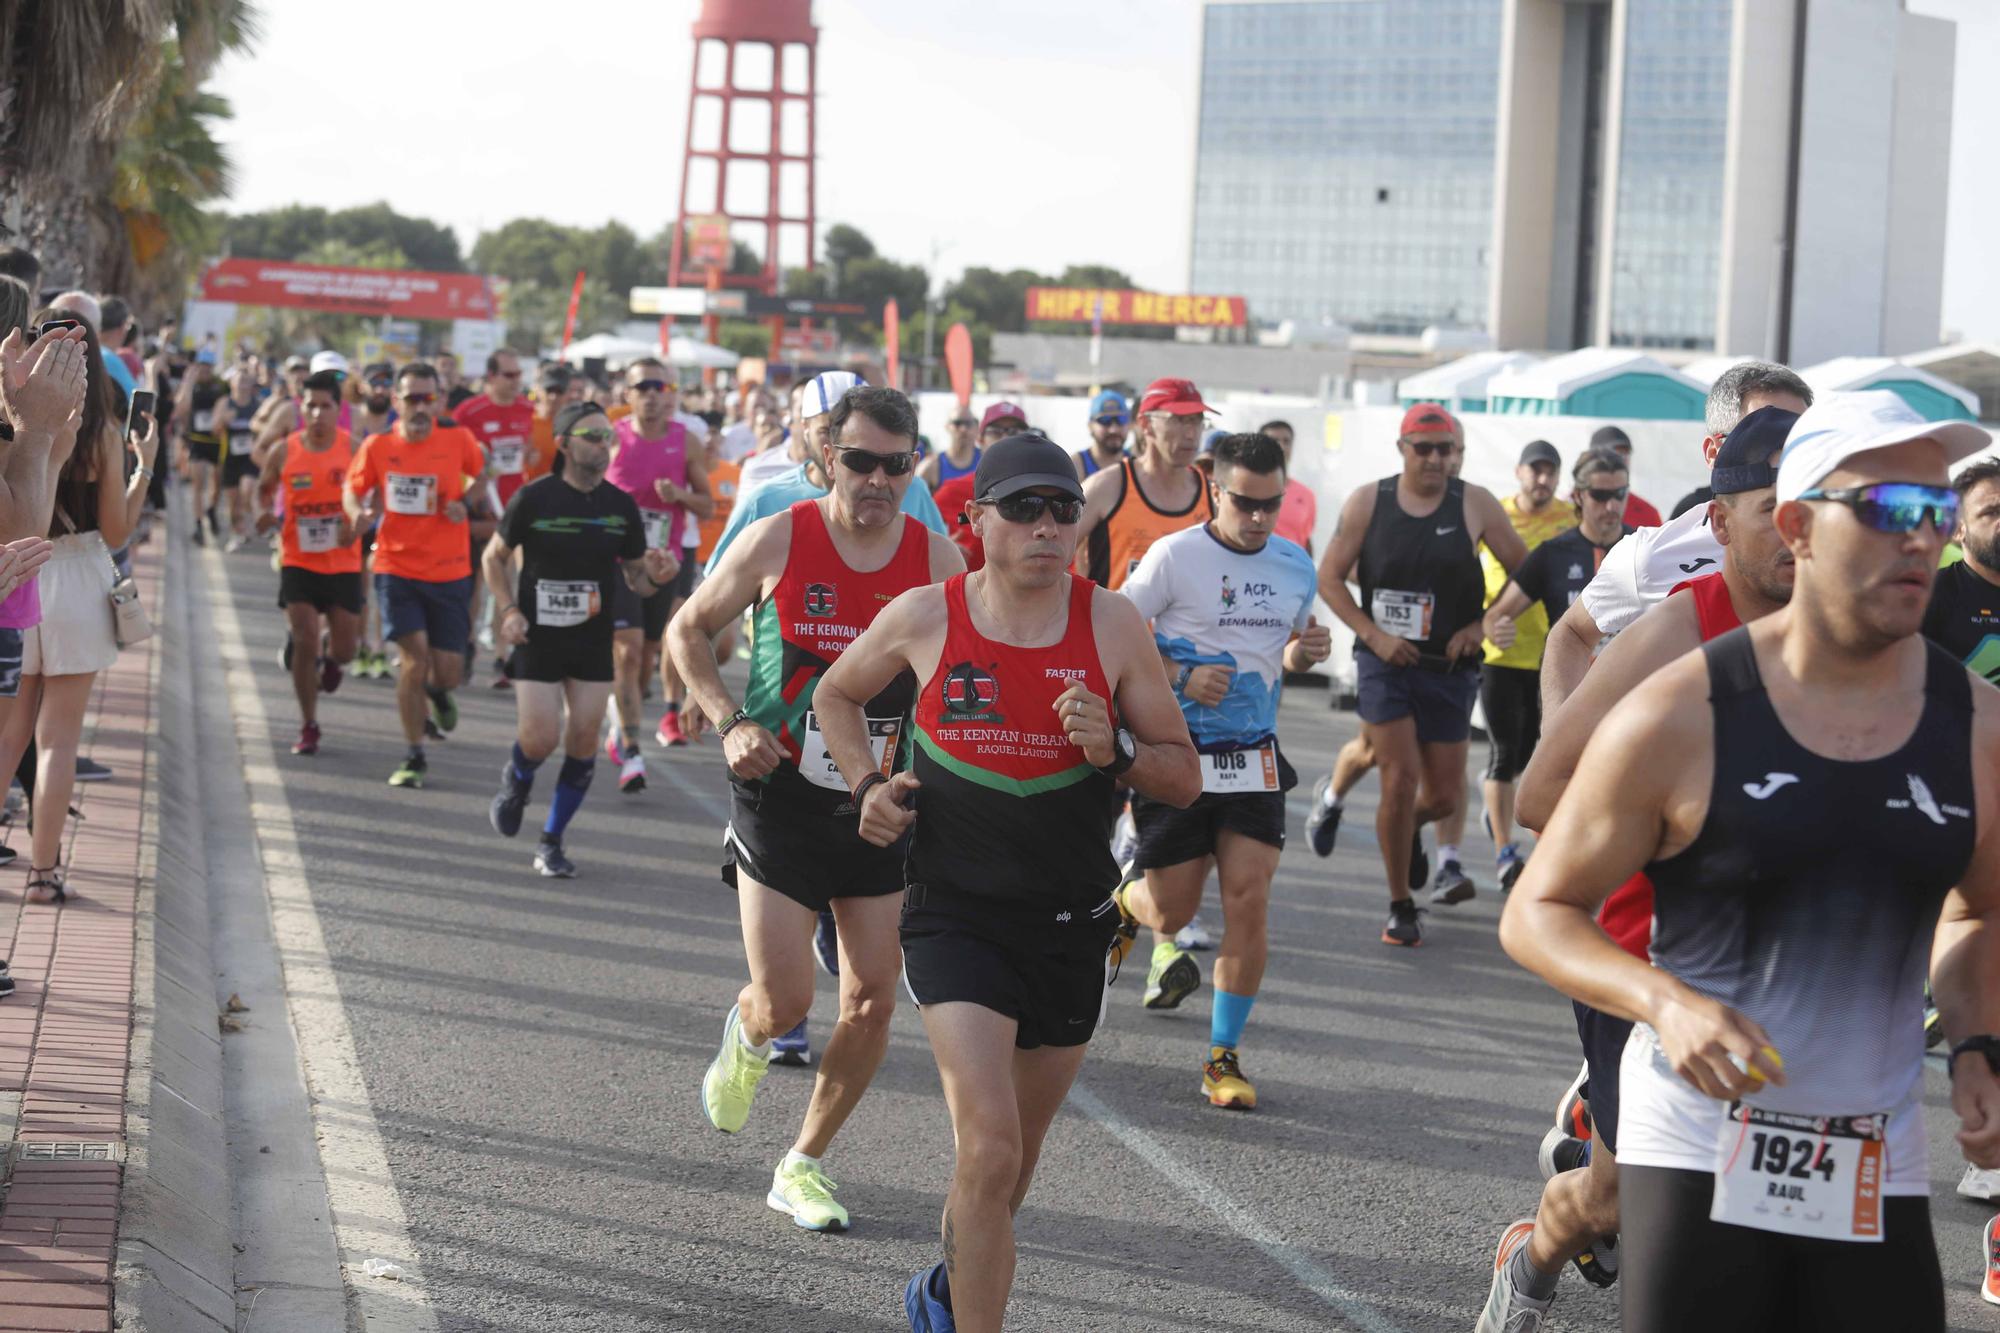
(990, 710)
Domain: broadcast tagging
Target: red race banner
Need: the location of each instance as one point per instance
(892, 339)
(1083, 305)
(569, 321)
(401, 293)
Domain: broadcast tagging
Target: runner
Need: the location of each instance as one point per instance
(1412, 543)
(195, 408)
(1129, 507)
(412, 481)
(502, 419)
(1804, 795)
(451, 382)
(319, 572)
(960, 456)
(1110, 418)
(784, 452)
(1578, 1217)
(1226, 654)
(1040, 690)
(656, 463)
(234, 421)
(817, 575)
(578, 540)
(279, 415)
(1300, 515)
(1508, 690)
(1964, 614)
(1637, 511)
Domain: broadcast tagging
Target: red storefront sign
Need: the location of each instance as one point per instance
(399, 293)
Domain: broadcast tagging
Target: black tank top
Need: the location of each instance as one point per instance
(1428, 567)
(1809, 898)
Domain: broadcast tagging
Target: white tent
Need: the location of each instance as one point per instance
(617, 350)
(1460, 385)
(694, 352)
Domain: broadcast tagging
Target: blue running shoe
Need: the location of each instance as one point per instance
(928, 1302)
(793, 1049)
(509, 803)
(826, 946)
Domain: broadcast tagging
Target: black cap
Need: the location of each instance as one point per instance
(1021, 463)
(1743, 463)
(375, 370)
(328, 381)
(1609, 437)
(566, 419)
(1540, 451)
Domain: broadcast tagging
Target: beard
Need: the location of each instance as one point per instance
(378, 403)
(1984, 550)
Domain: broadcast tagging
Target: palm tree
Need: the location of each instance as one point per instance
(168, 166)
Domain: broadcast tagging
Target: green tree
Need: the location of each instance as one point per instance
(294, 231)
(997, 300)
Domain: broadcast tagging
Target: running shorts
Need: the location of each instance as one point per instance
(631, 611)
(1046, 975)
(1169, 836)
(10, 662)
(554, 660)
(324, 592)
(441, 611)
(208, 451)
(237, 467)
(1680, 1271)
(1512, 698)
(1603, 1040)
(794, 845)
(1439, 698)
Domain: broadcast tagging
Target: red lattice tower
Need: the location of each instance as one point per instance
(765, 138)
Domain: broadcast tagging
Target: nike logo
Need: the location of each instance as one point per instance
(1771, 783)
(1692, 565)
(1446, 531)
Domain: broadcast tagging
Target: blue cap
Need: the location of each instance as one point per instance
(1110, 404)
(1743, 463)
(827, 389)
(1209, 438)
(206, 356)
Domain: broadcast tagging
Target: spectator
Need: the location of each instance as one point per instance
(120, 333)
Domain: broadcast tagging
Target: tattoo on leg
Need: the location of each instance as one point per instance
(950, 1247)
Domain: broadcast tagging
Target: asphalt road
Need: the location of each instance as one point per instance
(533, 1052)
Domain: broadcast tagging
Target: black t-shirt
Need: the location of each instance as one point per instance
(1964, 619)
(570, 543)
(1560, 568)
(202, 425)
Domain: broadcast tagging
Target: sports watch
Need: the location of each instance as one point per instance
(1180, 681)
(1125, 754)
(1985, 1043)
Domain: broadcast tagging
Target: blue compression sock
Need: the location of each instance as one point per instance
(524, 767)
(571, 784)
(1227, 1017)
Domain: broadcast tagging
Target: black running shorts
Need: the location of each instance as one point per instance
(631, 611)
(554, 660)
(238, 467)
(1048, 976)
(1512, 700)
(1679, 1271)
(324, 592)
(793, 843)
(1603, 1040)
(1170, 837)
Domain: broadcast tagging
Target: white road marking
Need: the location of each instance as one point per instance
(368, 1218)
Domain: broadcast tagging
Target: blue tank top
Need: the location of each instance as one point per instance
(950, 471)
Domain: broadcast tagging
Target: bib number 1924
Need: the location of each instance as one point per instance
(1801, 1175)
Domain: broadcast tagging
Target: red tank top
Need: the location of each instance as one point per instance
(1627, 915)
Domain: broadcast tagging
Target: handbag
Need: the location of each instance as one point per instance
(130, 625)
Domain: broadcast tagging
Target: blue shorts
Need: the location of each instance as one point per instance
(441, 612)
(1440, 700)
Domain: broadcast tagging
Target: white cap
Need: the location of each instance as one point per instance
(328, 361)
(827, 389)
(1841, 425)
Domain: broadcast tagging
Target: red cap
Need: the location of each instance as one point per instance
(1002, 412)
(1176, 397)
(1428, 417)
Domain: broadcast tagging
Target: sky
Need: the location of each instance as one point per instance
(1034, 133)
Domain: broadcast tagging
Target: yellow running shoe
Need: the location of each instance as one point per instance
(1174, 976)
(1128, 928)
(804, 1191)
(732, 1078)
(1222, 1082)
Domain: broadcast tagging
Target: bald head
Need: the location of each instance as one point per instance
(82, 304)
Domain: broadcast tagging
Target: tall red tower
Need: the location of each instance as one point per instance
(749, 150)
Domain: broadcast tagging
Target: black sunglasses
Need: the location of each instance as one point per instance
(963, 421)
(1246, 505)
(1605, 497)
(1430, 448)
(648, 386)
(865, 461)
(1029, 508)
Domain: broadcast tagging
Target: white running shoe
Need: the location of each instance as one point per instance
(1508, 1309)
(632, 773)
(1979, 1184)
(1194, 937)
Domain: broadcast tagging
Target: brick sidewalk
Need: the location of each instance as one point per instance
(66, 1034)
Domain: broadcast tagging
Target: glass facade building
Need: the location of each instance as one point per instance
(1344, 167)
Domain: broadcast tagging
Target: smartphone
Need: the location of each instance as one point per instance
(57, 325)
(141, 406)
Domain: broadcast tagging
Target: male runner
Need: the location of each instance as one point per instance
(1639, 512)
(1110, 418)
(1039, 691)
(1129, 507)
(1508, 689)
(413, 479)
(818, 574)
(960, 455)
(451, 382)
(1226, 653)
(195, 412)
(1964, 614)
(1805, 794)
(577, 540)
(1412, 542)
(235, 421)
(1300, 515)
(319, 571)
(1557, 570)
(783, 453)
(502, 419)
(280, 414)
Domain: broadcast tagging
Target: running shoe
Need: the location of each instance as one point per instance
(793, 1049)
(1933, 1027)
(1404, 927)
(8, 856)
(6, 980)
(1508, 866)
(1509, 1309)
(308, 741)
(730, 1084)
(1573, 1108)
(1174, 976)
(1599, 1263)
(613, 750)
(501, 680)
(927, 1301)
(330, 675)
(1452, 886)
(89, 770)
(1562, 1151)
(632, 775)
(804, 1192)
(235, 544)
(1980, 1184)
(1323, 824)
(1127, 934)
(431, 732)
(199, 539)
(826, 945)
(410, 773)
(1989, 1290)
(378, 665)
(1222, 1082)
(670, 732)
(550, 860)
(1420, 864)
(1194, 937)
(509, 802)
(444, 710)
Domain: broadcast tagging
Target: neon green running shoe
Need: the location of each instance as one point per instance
(806, 1193)
(409, 773)
(732, 1078)
(1174, 976)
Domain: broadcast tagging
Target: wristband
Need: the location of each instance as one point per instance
(861, 788)
(1180, 681)
(513, 609)
(1985, 1044)
(738, 716)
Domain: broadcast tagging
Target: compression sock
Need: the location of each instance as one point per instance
(1447, 852)
(523, 770)
(571, 783)
(1529, 1280)
(1227, 1017)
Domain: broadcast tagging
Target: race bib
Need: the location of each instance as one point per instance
(203, 419)
(1802, 1175)
(817, 766)
(657, 522)
(1233, 771)
(566, 603)
(239, 443)
(509, 455)
(319, 533)
(406, 494)
(1407, 615)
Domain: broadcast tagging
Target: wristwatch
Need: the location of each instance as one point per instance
(1126, 754)
(1985, 1043)
(1180, 681)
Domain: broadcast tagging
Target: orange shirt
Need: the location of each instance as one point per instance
(416, 540)
(1134, 524)
(311, 485)
(722, 478)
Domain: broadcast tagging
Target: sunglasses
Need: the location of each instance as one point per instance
(965, 422)
(592, 435)
(1112, 421)
(380, 383)
(1896, 506)
(865, 462)
(1246, 505)
(1030, 508)
(419, 399)
(507, 374)
(1605, 497)
(1431, 448)
(648, 386)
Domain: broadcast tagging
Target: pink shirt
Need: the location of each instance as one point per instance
(637, 464)
(1299, 514)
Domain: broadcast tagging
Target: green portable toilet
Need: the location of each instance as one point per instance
(1936, 399)
(1609, 382)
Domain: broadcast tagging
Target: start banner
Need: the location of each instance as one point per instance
(1085, 305)
(399, 293)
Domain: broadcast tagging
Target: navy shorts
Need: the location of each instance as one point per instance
(1603, 1049)
(1439, 700)
(442, 612)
